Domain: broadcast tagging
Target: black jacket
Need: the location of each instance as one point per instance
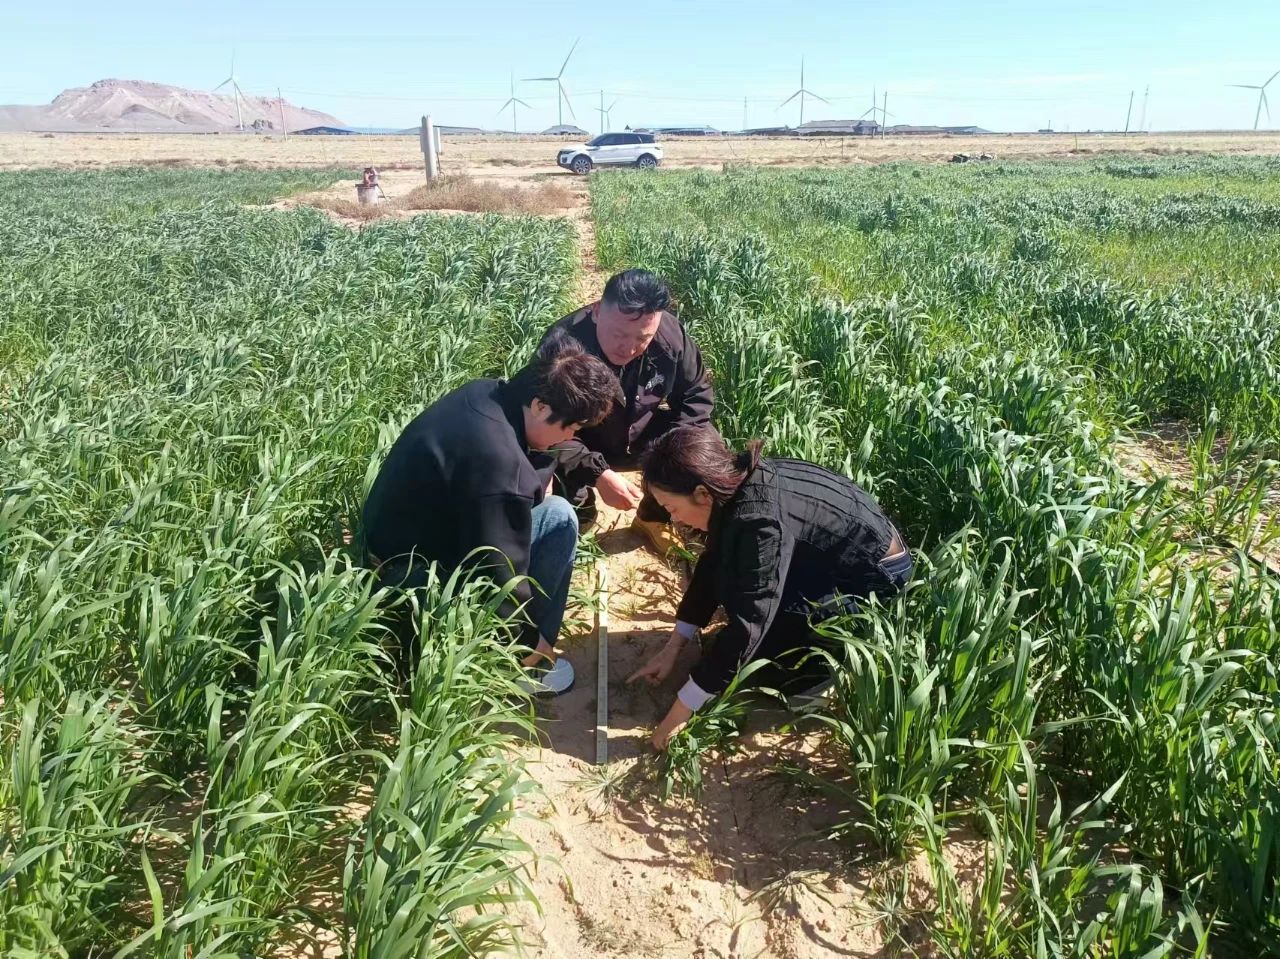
(664, 387)
(794, 535)
(458, 479)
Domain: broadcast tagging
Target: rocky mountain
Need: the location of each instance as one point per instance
(138, 106)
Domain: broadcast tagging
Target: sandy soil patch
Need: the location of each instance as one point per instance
(503, 156)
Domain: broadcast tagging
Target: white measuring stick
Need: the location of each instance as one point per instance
(602, 665)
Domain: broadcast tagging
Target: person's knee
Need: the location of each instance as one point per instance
(561, 517)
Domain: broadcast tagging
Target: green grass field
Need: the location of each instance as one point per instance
(1084, 669)
(195, 395)
(194, 400)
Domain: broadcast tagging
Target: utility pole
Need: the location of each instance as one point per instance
(284, 127)
(1142, 121)
(427, 141)
(1130, 113)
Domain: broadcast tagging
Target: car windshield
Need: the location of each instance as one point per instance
(598, 141)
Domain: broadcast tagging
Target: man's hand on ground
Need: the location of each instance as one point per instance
(617, 492)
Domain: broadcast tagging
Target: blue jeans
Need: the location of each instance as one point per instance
(552, 547)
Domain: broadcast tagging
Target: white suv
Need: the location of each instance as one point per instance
(612, 149)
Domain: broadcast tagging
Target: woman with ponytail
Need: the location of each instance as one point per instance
(788, 544)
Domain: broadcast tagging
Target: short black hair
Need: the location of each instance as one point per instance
(577, 386)
(637, 291)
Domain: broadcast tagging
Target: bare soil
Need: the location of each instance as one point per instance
(517, 156)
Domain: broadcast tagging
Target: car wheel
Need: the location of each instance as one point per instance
(581, 165)
(646, 162)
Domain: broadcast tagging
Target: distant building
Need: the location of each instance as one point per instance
(842, 128)
(326, 132)
(907, 129)
(565, 130)
(677, 131)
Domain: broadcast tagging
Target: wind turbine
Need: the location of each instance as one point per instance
(235, 91)
(512, 104)
(882, 110)
(604, 111)
(1262, 97)
(562, 95)
(801, 93)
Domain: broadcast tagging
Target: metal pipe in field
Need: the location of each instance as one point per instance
(430, 150)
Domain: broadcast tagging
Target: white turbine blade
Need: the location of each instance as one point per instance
(540, 79)
(611, 105)
(816, 97)
(788, 100)
(503, 107)
(567, 101)
(1266, 106)
(521, 102)
(1245, 86)
(566, 59)
(222, 84)
(1273, 76)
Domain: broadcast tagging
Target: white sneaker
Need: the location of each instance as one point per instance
(543, 680)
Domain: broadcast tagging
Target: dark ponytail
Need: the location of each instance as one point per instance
(689, 457)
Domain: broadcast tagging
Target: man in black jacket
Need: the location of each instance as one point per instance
(468, 482)
(664, 385)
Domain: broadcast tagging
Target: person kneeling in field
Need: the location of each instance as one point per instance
(469, 480)
(664, 386)
(788, 544)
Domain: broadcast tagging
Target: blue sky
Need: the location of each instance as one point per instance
(1002, 65)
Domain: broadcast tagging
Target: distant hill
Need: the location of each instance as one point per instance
(135, 105)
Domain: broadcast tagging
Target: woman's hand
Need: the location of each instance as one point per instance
(659, 667)
(671, 724)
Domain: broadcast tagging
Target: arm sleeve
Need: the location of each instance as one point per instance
(751, 596)
(700, 600)
(574, 455)
(500, 527)
(693, 398)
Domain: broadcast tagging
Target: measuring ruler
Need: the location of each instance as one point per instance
(602, 665)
